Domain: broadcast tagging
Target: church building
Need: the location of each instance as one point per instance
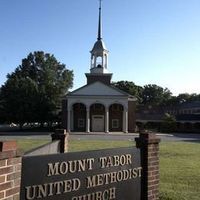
(98, 106)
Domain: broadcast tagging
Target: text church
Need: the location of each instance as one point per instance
(98, 106)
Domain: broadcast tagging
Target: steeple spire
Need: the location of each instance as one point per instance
(99, 26)
(99, 59)
(99, 53)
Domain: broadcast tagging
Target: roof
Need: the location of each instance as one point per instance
(99, 89)
(99, 46)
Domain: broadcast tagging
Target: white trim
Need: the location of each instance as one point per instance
(106, 101)
(125, 121)
(98, 88)
(87, 120)
(107, 120)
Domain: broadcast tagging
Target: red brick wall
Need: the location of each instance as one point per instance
(131, 116)
(10, 170)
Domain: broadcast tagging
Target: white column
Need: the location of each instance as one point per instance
(106, 60)
(68, 120)
(102, 61)
(88, 120)
(95, 61)
(107, 120)
(91, 62)
(125, 121)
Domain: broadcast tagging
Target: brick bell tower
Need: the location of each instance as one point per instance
(99, 59)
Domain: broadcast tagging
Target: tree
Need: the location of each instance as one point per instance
(195, 97)
(33, 92)
(18, 97)
(183, 97)
(129, 87)
(168, 124)
(2, 118)
(155, 95)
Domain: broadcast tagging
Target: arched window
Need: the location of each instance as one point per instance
(99, 61)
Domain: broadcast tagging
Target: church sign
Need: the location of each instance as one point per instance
(91, 175)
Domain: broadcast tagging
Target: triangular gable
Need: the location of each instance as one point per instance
(98, 88)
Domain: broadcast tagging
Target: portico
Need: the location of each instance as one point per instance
(102, 115)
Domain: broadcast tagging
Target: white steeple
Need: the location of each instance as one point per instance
(99, 53)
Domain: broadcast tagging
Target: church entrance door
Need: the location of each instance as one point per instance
(98, 123)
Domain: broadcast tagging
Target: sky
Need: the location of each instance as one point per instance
(149, 41)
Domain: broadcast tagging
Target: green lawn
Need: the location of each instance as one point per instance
(180, 171)
(179, 164)
(76, 145)
(27, 144)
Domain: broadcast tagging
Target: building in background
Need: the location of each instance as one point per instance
(186, 116)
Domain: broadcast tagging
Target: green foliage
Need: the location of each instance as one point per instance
(130, 88)
(155, 95)
(32, 93)
(169, 123)
(16, 95)
(183, 98)
(148, 95)
(169, 118)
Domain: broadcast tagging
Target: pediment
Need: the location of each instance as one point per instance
(96, 89)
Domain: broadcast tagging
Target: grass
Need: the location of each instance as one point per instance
(76, 145)
(180, 171)
(179, 164)
(80, 145)
(28, 144)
